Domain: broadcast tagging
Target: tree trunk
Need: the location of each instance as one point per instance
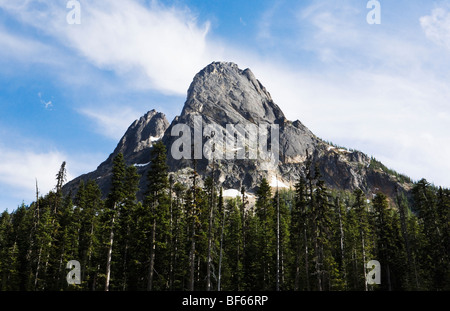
(109, 255)
(171, 236)
(36, 276)
(278, 242)
(125, 262)
(211, 217)
(152, 257)
(192, 258)
(192, 251)
(341, 229)
(308, 288)
(221, 250)
(364, 260)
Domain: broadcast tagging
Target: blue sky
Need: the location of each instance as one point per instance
(69, 92)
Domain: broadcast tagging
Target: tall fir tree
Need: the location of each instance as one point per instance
(112, 209)
(156, 207)
(266, 217)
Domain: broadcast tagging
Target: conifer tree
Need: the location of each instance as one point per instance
(7, 257)
(339, 240)
(267, 238)
(222, 212)
(112, 209)
(412, 278)
(280, 201)
(434, 252)
(88, 201)
(321, 231)
(126, 225)
(157, 207)
(179, 238)
(300, 236)
(389, 246)
(211, 193)
(364, 245)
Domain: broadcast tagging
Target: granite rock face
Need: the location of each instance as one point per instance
(139, 138)
(225, 94)
(222, 94)
(135, 145)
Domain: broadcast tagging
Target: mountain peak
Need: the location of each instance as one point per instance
(140, 136)
(224, 93)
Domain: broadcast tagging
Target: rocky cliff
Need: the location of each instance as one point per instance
(222, 94)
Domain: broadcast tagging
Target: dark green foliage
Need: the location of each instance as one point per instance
(433, 207)
(186, 237)
(377, 165)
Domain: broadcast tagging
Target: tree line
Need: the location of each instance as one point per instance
(186, 237)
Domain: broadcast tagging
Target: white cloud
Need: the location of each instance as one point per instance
(370, 88)
(378, 91)
(265, 23)
(113, 121)
(437, 26)
(17, 47)
(401, 120)
(163, 47)
(20, 168)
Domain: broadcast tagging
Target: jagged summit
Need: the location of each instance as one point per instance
(227, 94)
(140, 136)
(222, 94)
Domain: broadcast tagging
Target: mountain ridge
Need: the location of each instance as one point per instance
(222, 93)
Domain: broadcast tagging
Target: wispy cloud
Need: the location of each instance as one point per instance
(377, 89)
(151, 42)
(112, 122)
(48, 105)
(373, 89)
(20, 168)
(21, 48)
(437, 26)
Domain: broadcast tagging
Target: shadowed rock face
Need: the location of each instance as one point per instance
(139, 138)
(135, 146)
(223, 94)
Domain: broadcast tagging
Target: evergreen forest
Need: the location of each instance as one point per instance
(183, 237)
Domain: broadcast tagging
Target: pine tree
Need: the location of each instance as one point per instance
(194, 207)
(179, 238)
(443, 214)
(211, 193)
(65, 242)
(434, 254)
(252, 258)
(364, 245)
(157, 204)
(280, 201)
(89, 203)
(126, 225)
(266, 217)
(112, 208)
(340, 220)
(412, 278)
(389, 247)
(222, 212)
(7, 257)
(321, 231)
(300, 236)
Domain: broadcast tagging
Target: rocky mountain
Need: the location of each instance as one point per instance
(221, 95)
(135, 146)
